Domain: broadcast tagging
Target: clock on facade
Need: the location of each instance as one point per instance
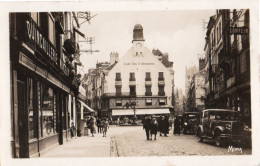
(138, 45)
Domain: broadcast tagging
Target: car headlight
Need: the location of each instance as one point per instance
(185, 123)
(228, 126)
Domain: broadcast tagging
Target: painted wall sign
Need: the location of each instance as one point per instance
(139, 63)
(239, 30)
(35, 36)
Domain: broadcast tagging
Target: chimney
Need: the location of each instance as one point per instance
(201, 63)
(113, 57)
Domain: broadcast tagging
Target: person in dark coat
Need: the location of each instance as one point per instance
(160, 125)
(99, 125)
(165, 126)
(177, 126)
(154, 128)
(147, 126)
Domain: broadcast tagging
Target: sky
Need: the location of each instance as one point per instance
(179, 33)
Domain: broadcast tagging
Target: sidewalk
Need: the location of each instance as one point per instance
(84, 146)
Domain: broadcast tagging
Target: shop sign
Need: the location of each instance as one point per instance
(239, 30)
(37, 38)
(138, 63)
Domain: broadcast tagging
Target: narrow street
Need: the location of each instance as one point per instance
(131, 142)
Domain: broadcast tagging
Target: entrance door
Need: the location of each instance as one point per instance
(22, 118)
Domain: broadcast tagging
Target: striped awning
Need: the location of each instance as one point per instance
(121, 112)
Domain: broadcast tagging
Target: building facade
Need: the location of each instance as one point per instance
(44, 84)
(227, 48)
(139, 77)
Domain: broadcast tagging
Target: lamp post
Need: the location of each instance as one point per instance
(133, 104)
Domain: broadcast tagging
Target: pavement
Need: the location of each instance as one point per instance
(84, 146)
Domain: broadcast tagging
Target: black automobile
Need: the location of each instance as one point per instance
(190, 122)
(221, 125)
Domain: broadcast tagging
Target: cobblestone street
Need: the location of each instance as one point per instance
(131, 141)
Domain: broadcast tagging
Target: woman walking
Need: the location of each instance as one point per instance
(105, 127)
(154, 128)
(92, 124)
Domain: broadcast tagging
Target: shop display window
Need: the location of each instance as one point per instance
(47, 111)
(32, 124)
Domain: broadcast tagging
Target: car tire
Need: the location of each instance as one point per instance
(218, 140)
(199, 136)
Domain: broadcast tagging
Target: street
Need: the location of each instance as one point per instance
(130, 141)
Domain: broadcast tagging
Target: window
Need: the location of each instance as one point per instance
(51, 30)
(148, 101)
(242, 63)
(118, 102)
(161, 91)
(147, 76)
(205, 115)
(47, 111)
(136, 53)
(118, 90)
(32, 107)
(132, 77)
(132, 90)
(212, 115)
(162, 101)
(161, 76)
(148, 91)
(118, 76)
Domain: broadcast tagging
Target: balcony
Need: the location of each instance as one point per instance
(148, 93)
(161, 79)
(132, 81)
(132, 94)
(148, 79)
(70, 46)
(223, 59)
(119, 94)
(231, 81)
(161, 93)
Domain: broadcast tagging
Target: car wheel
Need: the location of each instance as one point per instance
(199, 135)
(218, 140)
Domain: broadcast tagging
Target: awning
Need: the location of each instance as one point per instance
(86, 106)
(121, 112)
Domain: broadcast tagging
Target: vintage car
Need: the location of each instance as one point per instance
(222, 125)
(190, 122)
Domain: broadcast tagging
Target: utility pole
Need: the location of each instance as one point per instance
(90, 41)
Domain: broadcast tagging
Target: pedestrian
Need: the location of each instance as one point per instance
(165, 126)
(118, 121)
(154, 128)
(146, 126)
(160, 122)
(177, 126)
(92, 124)
(105, 127)
(99, 125)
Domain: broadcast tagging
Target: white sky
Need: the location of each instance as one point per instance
(179, 33)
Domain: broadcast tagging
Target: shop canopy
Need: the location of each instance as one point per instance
(86, 106)
(122, 112)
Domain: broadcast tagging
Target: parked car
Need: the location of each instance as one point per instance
(190, 122)
(222, 125)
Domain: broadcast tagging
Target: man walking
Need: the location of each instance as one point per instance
(147, 126)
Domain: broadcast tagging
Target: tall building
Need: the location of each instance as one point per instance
(227, 47)
(44, 83)
(141, 77)
(189, 73)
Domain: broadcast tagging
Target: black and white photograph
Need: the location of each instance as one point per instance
(123, 84)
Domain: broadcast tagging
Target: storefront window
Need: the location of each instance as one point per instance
(32, 110)
(47, 111)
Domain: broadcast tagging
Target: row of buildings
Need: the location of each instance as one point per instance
(47, 98)
(139, 83)
(223, 77)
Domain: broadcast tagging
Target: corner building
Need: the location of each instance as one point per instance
(141, 77)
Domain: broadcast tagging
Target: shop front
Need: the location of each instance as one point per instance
(39, 92)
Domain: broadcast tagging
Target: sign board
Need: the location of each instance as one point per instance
(239, 30)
